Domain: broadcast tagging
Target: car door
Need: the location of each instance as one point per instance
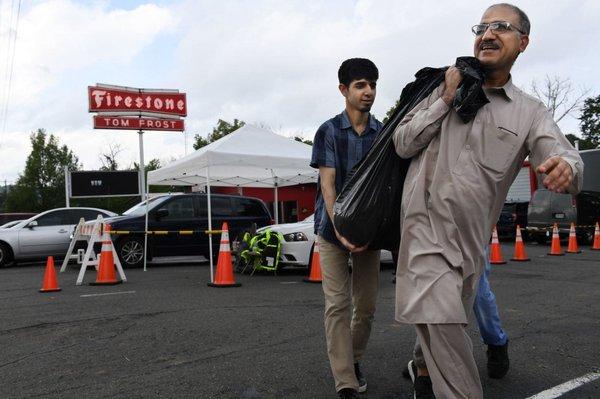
(246, 213)
(180, 215)
(51, 236)
(221, 211)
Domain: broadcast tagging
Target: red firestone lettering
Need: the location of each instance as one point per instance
(118, 99)
(98, 95)
(158, 104)
(169, 103)
(180, 105)
(128, 101)
(139, 102)
(148, 102)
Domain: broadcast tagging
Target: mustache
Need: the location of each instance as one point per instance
(489, 44)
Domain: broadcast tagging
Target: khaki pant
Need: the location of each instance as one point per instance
(446, 351)
(349, 307)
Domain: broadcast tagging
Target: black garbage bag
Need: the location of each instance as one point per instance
(367, 210)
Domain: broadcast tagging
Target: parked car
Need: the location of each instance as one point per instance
(547, 208)
(45, 234)
(299, 243)
(183, 212)
(10, 224)
(513, 214)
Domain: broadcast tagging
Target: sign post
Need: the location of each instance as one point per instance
(67, 188)
(142, 168)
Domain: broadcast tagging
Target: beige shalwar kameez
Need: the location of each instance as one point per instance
(454, 191)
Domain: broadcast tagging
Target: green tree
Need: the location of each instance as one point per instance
(109, 158)
(590, 120)
(584, 144)
(222, 129)
(391, 111)
(305, 141)
(4, 190)
(42, 184)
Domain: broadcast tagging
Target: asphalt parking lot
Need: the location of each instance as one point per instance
(164, 333)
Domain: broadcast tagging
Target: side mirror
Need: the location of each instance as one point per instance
(161, 213)
(32, 224)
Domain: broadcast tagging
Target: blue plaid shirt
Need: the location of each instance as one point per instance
(337, 145)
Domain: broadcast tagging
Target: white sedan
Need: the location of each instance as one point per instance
(299, 241)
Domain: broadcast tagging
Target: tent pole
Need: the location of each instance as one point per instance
(210, 247)
(276, 203)
(146, 226)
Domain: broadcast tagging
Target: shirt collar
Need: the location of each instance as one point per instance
(347, 125)
(507, 90)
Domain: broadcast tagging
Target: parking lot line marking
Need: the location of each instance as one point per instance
(289, 282)
(108, 293)
(561, 389)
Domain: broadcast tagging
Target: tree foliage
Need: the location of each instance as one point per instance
(590, 120)
(222, 129)
(302, 140)
(584, 144)
(109, 158)
(42, 184)
(391, 111)
(559, 96)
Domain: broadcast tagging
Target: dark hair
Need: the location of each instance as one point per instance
(356, 69)
(523, 18)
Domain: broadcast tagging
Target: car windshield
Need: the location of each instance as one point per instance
(309, 219)
(10, 224)
(140, 209)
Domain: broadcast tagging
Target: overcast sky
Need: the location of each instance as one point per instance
(272, 63)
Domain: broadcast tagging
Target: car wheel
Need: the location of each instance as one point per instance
(6, 255)
(588, 237)
(541, 239)
(131, 251)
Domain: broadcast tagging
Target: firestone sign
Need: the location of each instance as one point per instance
(107, 99)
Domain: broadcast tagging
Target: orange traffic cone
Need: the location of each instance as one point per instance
(596, 244)
(50, 283)
(315, 268)
(573, 247)
(495, 251)
(520, 255)
(106, 263)
(555, 249)
(224, 275)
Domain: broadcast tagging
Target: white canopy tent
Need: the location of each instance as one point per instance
(249, 157)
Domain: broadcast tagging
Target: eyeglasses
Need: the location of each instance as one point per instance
(497, 28)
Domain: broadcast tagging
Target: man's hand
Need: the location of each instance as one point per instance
(559, 174)
(453, 78)
(351, 247)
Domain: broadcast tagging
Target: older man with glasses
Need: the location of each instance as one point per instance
(456, 185)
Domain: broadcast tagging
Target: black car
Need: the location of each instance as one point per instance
(513, 214)
(181, 222)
